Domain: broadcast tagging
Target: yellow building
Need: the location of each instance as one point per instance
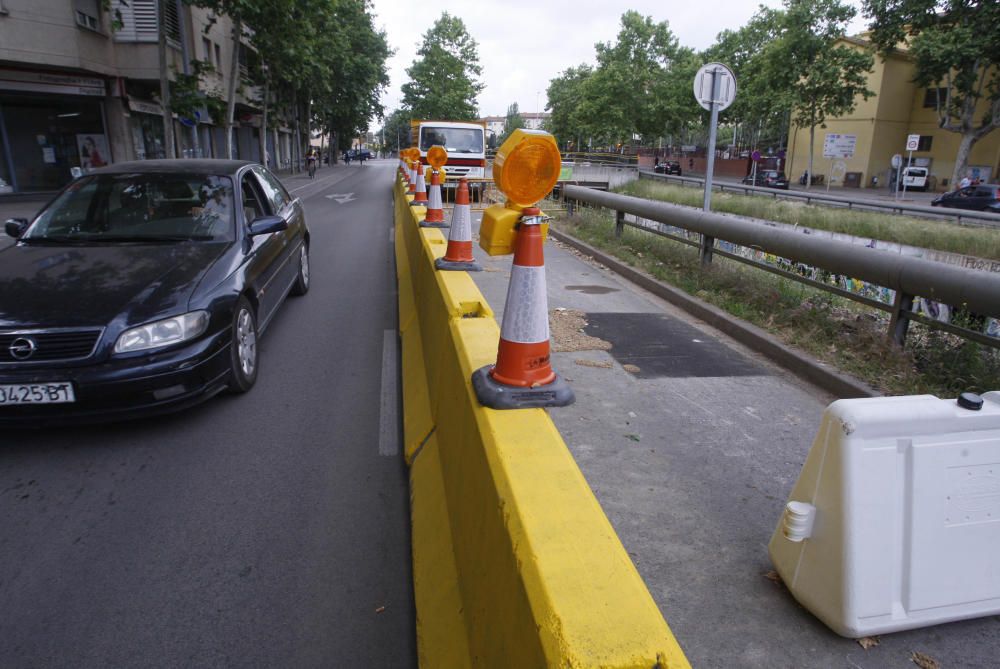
(881, 126)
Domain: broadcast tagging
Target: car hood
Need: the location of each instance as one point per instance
(66, 286)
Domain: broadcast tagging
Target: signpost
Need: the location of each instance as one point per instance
(912, 144)
(837, 145)
(715, 90)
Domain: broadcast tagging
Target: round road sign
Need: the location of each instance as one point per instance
(703, 86)
(755, 156)
(897, 160)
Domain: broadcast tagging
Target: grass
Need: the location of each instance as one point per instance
(838, 331)
(923, 233)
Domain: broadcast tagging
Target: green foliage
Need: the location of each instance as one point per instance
(397, 129)
(444, 78)
(955, 45)
(513, 121)
(565, 95)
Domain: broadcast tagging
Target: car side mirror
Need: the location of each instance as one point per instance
(265, 225)
(15, 227)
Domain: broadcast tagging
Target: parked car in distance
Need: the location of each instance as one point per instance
(668, 167)
(143, 288)
(984, 197)
(915, 178)
(768, 178)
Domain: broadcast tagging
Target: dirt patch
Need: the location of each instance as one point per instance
(566, 326)
(600, 364)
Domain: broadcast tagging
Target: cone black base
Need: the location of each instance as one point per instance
(425, 224)
(452, 265)
(499, 396)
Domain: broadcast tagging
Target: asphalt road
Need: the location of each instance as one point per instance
(268, 530)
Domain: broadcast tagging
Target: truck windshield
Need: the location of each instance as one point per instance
(455, 140)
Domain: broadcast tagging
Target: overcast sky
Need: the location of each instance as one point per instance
(525, 43)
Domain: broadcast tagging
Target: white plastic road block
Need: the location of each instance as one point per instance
(894, 522)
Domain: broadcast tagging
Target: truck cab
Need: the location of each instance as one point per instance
(465, 143)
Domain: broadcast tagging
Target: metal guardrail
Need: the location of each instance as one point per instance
(962, 216)
(972, 291)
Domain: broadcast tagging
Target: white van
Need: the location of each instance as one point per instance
(465, 143)
(915, 178)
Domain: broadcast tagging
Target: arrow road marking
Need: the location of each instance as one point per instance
(341, 197)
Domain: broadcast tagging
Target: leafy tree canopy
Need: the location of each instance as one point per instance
(444, 78)
(512, 122)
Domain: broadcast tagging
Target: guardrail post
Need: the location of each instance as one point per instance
(900, 322)
(570, 208)
(619, 223)
(705, 249)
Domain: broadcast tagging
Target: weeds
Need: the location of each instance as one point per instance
(835, 330)
(938, 235)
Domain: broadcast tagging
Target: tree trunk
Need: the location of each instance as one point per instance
(962, 157)
(297, 157)
(168, 117)
(812, 143)
(263, 124)
(234, 76)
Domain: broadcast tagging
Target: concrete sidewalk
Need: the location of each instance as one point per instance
(691, 444)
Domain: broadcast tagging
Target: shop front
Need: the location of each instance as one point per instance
(49, 124)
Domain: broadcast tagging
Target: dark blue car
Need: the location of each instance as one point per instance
(143, 288)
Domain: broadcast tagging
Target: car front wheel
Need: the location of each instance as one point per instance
(301, 285)
(243, 354)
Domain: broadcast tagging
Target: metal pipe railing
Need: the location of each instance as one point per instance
(972, 290)
(980, 218)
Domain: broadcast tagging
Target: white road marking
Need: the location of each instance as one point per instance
(388, 433)
(341, 197)
(312, 182)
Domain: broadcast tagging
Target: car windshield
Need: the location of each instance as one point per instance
(117, 208)
(455, 140)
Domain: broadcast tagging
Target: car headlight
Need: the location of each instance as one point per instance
(163, 333)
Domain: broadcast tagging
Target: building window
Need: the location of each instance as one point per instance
(88, 13)
(218, 57)
(925, 143)
(140, 21)
(206, 45)
(931, 97)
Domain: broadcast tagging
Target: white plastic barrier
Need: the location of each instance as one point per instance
(894, 522)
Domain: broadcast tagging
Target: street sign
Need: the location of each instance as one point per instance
(836, 145)
(703, 86)
(755, 156)
(897, 160)
(912, 142)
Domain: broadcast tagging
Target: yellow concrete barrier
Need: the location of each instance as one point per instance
(514, 562)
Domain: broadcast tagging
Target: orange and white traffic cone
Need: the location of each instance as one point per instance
(435, 211)
(411, 187)
(523, 376)
(420, 192)
(458, 257)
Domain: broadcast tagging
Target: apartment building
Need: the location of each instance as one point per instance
(79, 87)
(878, 129)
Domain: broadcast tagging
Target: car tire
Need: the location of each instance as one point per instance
(244, 354)
(301, 285)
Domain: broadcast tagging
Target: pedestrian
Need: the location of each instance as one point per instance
(361, 157)
(311, 161)
(965, 182)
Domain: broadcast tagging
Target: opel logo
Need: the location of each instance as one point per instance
(22, 348)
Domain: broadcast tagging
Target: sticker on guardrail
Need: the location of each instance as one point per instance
(524, 322)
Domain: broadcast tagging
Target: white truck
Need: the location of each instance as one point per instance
(465, 142)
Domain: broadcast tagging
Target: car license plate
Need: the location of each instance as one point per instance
(58, 392)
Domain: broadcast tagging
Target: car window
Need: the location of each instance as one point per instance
(984, 192)
(273, 191)
(253, 207)
(139, 207)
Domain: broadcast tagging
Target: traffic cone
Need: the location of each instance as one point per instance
(420, 192)
(523, 376)
(435, 212)
(458, 257)
(412, 185)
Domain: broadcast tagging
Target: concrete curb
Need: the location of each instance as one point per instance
(813, 371)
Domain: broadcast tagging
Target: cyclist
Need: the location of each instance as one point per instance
(311, 162)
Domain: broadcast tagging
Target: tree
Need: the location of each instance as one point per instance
(397, 129)
(443, 79)
(513, 121)
(760, 111)
(955, 45)
(565, 95)
(824, 77)
(636, 86)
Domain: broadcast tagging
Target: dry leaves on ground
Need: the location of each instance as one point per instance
(868, 642)
(773, 576)
(924, 661)
(600, 364)
(566, 326)
(631, 368)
